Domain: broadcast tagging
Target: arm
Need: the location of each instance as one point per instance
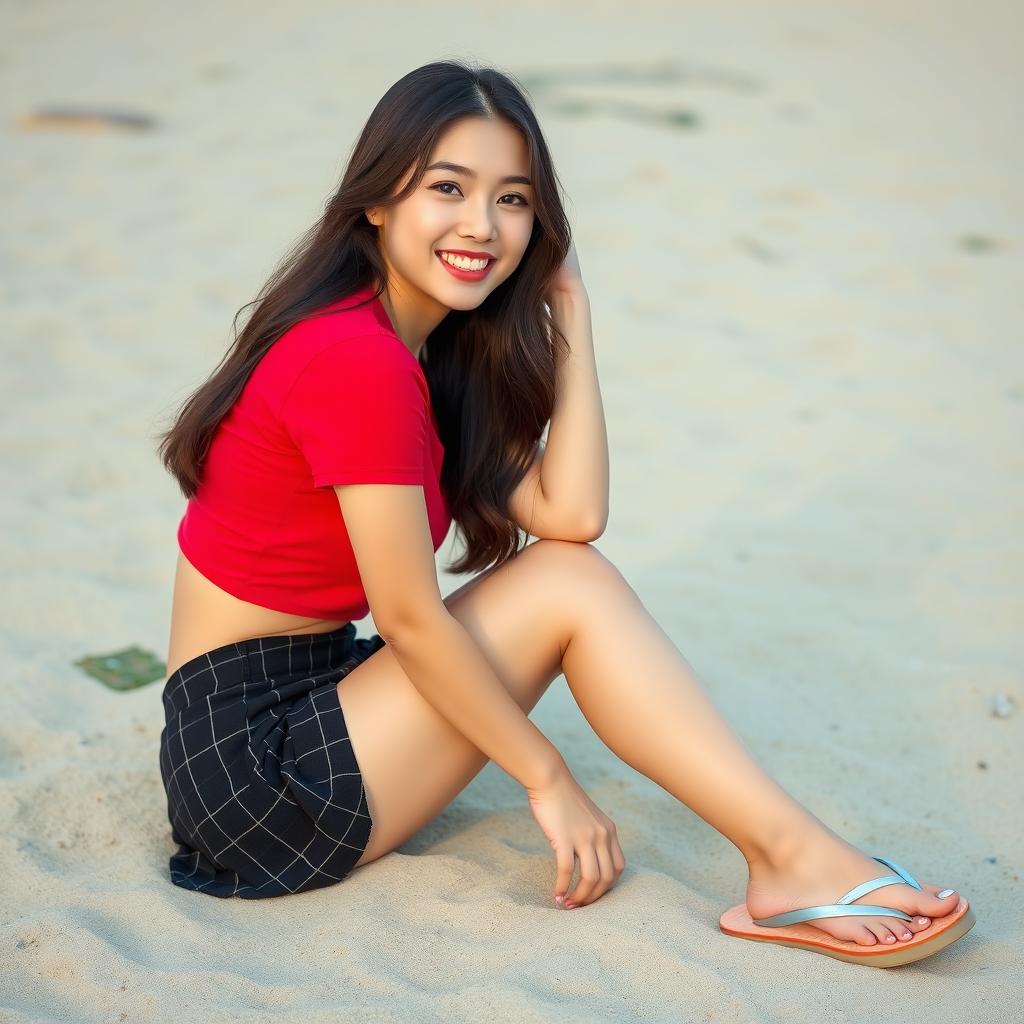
(387, 525)
(358, 411)
(565, 492)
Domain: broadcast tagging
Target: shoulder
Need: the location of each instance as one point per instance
(333, 342)
(362, 367)
(374, 357)
(339, 324)
(342, 348)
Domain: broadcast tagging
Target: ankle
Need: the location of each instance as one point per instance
(784, 845)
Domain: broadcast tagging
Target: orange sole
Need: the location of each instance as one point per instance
(942, 932)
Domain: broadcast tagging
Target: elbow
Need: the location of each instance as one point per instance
(408, 626)
(592, 528)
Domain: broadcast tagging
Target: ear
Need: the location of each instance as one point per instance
(371, 216)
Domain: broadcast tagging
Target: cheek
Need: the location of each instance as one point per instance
(432, 223)
(524, 231)
(417, 229)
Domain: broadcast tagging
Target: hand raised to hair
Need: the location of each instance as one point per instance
(568, 279)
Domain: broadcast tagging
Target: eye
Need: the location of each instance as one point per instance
(439, 186)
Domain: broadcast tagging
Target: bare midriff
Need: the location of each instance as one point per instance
(204, 617)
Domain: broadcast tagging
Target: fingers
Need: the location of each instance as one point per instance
(565, 861)
(618, 858)
(600, 867)
(608, 876)
(590, 876)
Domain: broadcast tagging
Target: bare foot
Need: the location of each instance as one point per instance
(826, 867)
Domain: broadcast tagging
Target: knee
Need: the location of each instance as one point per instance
(575, 563)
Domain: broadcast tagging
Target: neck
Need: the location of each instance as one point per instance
(412, 313)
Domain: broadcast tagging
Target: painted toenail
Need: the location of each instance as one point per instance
(922, 920)
(946, 893)
(906, 935)
(890, 938)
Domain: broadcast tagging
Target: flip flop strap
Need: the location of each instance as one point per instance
(836, 910)
(902, 875)
(844, 908)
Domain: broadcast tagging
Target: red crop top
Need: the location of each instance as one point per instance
(338, 399)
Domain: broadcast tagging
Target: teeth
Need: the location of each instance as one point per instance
(463, 262)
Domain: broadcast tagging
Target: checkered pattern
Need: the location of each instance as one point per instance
(264, 794)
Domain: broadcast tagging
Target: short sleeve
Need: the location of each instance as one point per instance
(358, 411)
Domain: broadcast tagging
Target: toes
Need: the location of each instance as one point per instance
(925, 904)
(864, 936)
(898, 930)
(881, 932)
(931, 905)
(919, 924)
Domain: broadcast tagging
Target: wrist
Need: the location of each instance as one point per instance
(549, 772)
(569, 300)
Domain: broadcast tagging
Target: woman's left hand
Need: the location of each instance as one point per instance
(568, 279)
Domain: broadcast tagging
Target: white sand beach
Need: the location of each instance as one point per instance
(815, 403)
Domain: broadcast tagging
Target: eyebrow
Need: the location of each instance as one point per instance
(444, 165)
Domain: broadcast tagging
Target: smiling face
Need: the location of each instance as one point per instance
(486, 207)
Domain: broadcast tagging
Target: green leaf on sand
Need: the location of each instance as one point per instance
(127, 669)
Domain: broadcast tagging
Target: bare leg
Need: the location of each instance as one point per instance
(642, 698)
(563, 607)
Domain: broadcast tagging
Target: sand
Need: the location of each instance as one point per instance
(814, 396)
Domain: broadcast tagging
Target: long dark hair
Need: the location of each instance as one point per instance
(491, 370)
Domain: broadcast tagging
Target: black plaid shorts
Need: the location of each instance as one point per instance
(264, 794)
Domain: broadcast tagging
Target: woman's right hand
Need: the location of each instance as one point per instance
(576, 827)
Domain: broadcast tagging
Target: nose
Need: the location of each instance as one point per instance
(478, 222)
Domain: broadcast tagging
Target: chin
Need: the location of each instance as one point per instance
(469, 301)
(464, 300)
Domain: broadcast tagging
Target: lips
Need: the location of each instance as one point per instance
(471, 253)
(465, 275)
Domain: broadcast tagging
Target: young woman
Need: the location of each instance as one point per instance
(397, 375)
